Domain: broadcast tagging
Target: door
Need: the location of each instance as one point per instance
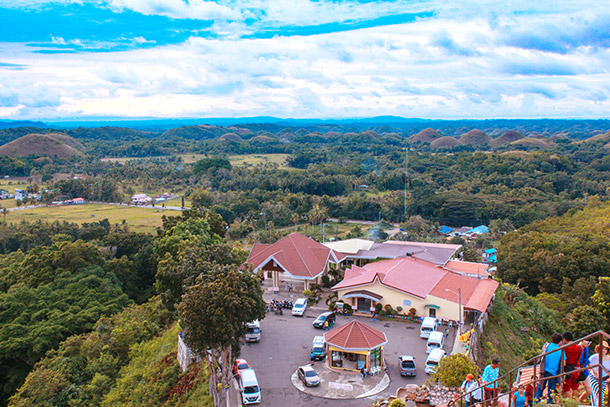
(432, 313)
(364, 305)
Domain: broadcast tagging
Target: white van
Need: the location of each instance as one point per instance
(433, 358)
(435, 341)
(250, 390)
(428, 325)
(318, 348)
(299, 307)
(254, 331)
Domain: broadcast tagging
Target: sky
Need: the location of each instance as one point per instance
(437, 59)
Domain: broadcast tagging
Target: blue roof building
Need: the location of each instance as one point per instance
(445, 230)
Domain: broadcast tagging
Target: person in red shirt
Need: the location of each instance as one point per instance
(529, 392)
(572, 352)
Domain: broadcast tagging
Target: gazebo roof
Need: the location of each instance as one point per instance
(355, 336)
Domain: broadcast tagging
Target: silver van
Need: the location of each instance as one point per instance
(250, 390)
(254, 331)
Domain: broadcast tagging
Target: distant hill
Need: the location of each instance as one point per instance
(444, 142)
(200, 132)
(604, 138)
(425, 136)
(532, 142)
(475, 138)
(43, 145)
(7, 124)
(508, 137)
(232, 137)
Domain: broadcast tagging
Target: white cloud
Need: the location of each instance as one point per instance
(452, 66)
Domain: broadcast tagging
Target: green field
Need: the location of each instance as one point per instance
(236, 160)
(139, 219)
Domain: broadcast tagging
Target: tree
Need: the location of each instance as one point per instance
(586, 319)
(453, 369)
(215, 312)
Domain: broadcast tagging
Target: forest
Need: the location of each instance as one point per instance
(82, 304)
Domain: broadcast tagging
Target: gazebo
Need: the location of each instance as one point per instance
(354, 346)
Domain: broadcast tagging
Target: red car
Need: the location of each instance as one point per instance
(239, 366)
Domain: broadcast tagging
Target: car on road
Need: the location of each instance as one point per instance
(254, 331)
(322, 318)
(299, 307)
(308, 376)
(239, 366)
(318, 348)
(407, 365)
(250, 389)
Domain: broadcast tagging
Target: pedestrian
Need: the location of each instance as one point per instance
(467, 388)
(519, 399)
(326, 325)
(490, 384)
(446, 333)
(584, 362)
(600, 356)
(550, 366)
(529, 392)
(290, 287)
(362, 372)
(572, 353)
(477, 395)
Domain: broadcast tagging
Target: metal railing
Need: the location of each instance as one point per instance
(513, 373)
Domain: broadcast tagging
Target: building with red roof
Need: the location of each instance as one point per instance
(457, 292)
(354, 346)
(295, 258)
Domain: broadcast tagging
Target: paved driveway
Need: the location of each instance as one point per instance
(286, 343)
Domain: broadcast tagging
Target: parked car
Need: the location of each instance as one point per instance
(239, 366)
(308, 376)
(254, 331)
(250, 390)
(432, 361)
(407, 365)
(299, 307)
(322, 318)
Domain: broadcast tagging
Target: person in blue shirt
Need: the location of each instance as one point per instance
(519, 397)
(490, 385)
(584, 362)
(552, 365)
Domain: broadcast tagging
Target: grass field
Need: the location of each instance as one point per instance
(236, 160)
(139, 219)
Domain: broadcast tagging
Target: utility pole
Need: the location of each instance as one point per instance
(323, 232)
(406, 178)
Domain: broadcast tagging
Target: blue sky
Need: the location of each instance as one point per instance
(70, 59)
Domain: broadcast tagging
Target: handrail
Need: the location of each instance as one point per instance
(600, 334)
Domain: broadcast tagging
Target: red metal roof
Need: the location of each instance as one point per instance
(476, 293)
(410, 275)
(297, 254)
(355, 336)
(421, 278)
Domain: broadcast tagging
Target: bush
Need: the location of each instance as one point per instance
(397, 403)
(307, 293)
(378, 308)
(412, 313)
(452, 370)
(326, 281)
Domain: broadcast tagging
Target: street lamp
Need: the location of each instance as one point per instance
(459, 294)
(264, 219)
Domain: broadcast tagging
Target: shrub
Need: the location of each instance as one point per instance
(378, 308)
(326, 281)
(412, 313)
(453, 369)
(397, 403)
(307, 293)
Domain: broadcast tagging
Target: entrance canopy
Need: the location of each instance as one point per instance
(363, 294)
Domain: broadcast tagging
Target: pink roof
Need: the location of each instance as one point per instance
(297, 254)
(408, 274)
(421, 278)
(467, 267)
(476, 293)
(355, 336)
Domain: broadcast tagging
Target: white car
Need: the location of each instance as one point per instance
(299, 307)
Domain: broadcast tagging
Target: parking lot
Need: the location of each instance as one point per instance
(286, 344)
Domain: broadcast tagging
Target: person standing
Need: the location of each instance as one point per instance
(572, 352)
(600, 356)
(550, 366)
(529, 392)
(467, 388)
(584, 362)
(490, 376)
(519, 397)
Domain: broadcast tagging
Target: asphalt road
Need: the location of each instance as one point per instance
(285, 345)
